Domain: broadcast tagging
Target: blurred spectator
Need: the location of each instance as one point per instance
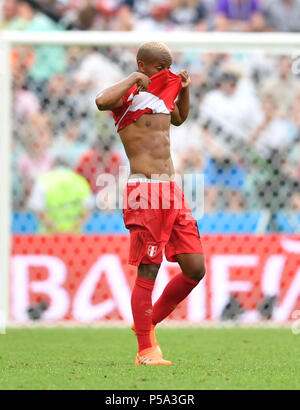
(151, 15)
(26, 103)
(167, 15)
(62, 200)
(99, 159)
(54, 55)
(18, 186)
(58, 102)
(270, 182)
(283, 85)
(294, 154)
(223, 15)
(295, 111)
(28, 20)
(295, 203)
(69, 142)
(113, 16)
(226, 123)
(36, 158)
(276, 133)
(95, 72)
(22, 59)
(23, 17)
(243, 149)
(87, 17)
(239, 15)
(188, 14)
(189, 168)
(182, 146)
(8, 11)
(282, 15)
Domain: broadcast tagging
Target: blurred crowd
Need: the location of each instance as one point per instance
(243, 128)
(159, 15)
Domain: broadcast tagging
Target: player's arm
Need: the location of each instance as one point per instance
(111, 98)
(182, 106)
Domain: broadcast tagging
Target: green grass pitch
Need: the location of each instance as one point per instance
(102, 359)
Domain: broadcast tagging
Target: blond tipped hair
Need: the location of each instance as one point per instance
(154, 51)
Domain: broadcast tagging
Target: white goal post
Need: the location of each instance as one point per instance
(279, 43)
(5, 189)
(212, 41)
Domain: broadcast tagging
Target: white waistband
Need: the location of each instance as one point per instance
(147, 180)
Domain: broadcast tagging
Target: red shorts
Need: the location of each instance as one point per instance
(159, 220)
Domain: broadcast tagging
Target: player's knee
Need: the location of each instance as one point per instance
(148, 271)
(197, 271)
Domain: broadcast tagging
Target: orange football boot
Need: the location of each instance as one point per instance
(151, 357)
(153, 339)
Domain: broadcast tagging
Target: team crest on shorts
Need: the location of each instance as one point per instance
(152, 250)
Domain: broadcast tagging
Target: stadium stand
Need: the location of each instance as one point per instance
(251, 166)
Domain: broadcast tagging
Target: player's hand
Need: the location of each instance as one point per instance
(143, 82)
(185, 78)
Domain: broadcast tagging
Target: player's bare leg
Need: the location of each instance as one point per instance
(141, 302)
(192, 265)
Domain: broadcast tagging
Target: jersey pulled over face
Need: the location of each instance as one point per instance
(158, 99)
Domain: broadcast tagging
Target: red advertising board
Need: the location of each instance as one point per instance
(87, 278)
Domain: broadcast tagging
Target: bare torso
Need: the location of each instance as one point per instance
(147, 145)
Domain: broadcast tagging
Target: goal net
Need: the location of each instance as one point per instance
(63, 243)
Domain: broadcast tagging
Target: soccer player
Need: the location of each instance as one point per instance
(144, 105)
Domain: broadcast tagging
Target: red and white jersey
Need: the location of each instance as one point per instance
(158, 99)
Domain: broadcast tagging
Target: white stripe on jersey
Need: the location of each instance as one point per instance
(145, 100)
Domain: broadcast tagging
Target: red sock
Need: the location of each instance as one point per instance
(141, 303)
(174, 293)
